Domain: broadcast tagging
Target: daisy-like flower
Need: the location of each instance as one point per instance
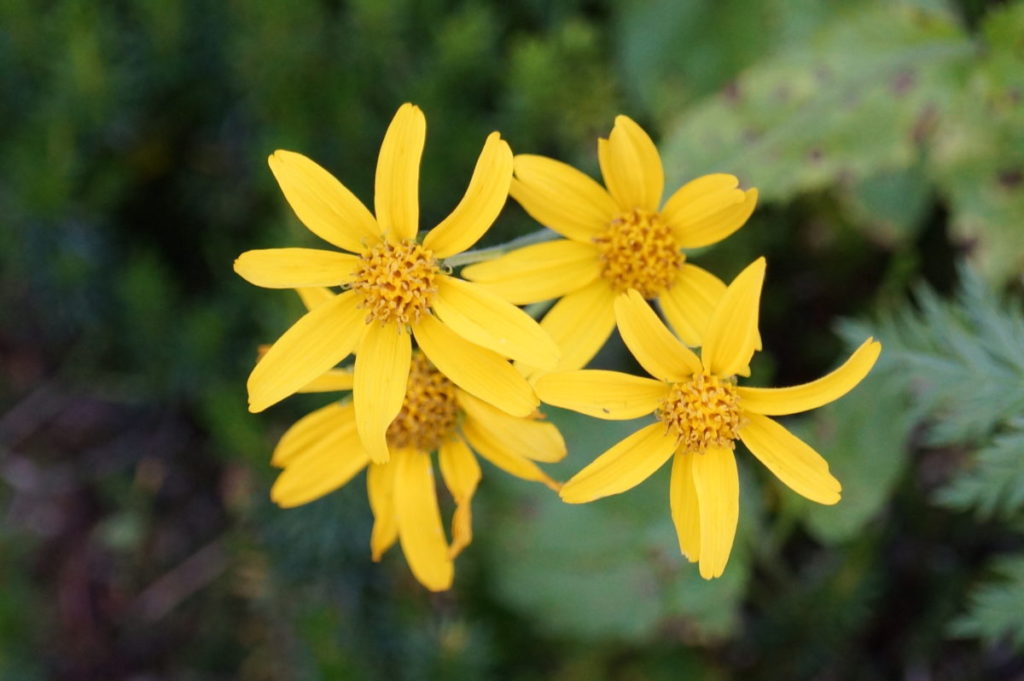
(701, 412)
(394, 288)
(323, 451)
(615, 240)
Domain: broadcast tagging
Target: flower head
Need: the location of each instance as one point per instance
(394, 288)
(616, 239)
(701, 412)
(323, 451)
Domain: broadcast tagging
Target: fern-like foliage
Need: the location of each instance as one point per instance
(963, 362)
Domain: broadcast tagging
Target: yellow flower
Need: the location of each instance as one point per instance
(322, 451)
(616, 240)
(701, 412)
(394, 287)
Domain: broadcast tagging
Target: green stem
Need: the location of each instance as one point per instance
(483, 254)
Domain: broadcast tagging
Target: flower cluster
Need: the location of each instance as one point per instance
(450, 365)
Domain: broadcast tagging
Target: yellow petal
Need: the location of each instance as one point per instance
(534, 439)
(690, 302)
(314, 344)
(295, 267)
(484, 199)
(502, 455)
(631, 166)
(791, 460)
(580, 323)
(538, 272)
(609, 395)
(622, 467)
(718, 224)
(332, 381)
(562, 198)
(486, 319)
(781, 401)
(718, 492)
(708, 209)
(651, 343)
(323, 204)
(685, 509)
(419, 521)
(476, 370)
(397, 193)
(732, 336)
(314, 296)
(322, 467)
(380, 488)
(333, 421)
(381, 374)
(461, 473)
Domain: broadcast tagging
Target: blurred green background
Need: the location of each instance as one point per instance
(137, 541)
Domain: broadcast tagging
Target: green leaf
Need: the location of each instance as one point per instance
(844, 105)
(611, 569)
(994, 484)
(996, 610)
(978, 160)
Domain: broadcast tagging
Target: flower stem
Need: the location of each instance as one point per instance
(482, 254)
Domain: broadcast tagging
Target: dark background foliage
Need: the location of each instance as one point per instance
(887, 139)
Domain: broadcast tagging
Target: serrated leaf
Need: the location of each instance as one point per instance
(994, 484)
(996, 610)
(851, 101)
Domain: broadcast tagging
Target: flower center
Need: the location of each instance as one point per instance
(429, 410)
(703, 412)
(397, 282)
(639, 251)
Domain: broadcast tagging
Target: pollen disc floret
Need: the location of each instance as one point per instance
(397, 282)
(429, 410)
(639, 251)
(703, 412)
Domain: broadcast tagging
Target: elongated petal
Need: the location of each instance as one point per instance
(419, 521)
(622, 467)
(718, 492)
(332, 381)
(380, 488)
(781, 401)
(397, 195)
(562, 198)
(323, 204)
(477, 370)
(533, 438)
(791, 460)
(314, 344)
(651, 343)
(717, 224)
(732, 335)
(580, 323)
(333, 421)
(295, 267)
(461, 473)
(502, 454)
(538, 272)
(631, 166)
(708, 209)
(488, 320)
(609, 395)
(323, 466)
(314, 296)
(690, 302)
(381, 374)
(685, 508)
(484, 199)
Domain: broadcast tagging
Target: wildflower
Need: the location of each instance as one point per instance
(615, 240)
(394, 288)
(323, 451)
(701, 412)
